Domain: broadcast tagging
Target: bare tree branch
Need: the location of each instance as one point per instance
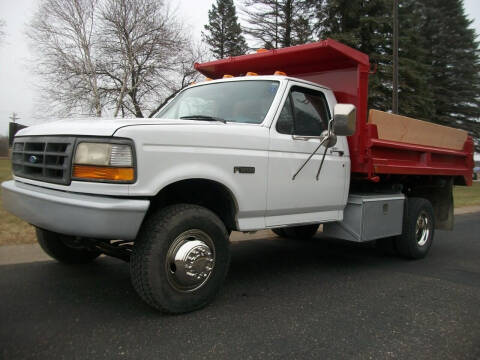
(111, 56)
(61, 32)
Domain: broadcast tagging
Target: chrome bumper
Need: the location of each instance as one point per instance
(74, 214)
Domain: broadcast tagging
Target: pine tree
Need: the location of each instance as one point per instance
(439, 68)
(223, 32)
(365, 26)
(279, 23)
(415, 73)
(454, 59)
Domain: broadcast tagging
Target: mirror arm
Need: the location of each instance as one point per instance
(311, 155)
(321, 163)
(329, 128)
(326, 147)
(326, 138)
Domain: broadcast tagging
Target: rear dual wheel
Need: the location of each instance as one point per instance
(417, 232)
(418, 229)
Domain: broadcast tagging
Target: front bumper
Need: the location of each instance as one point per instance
(75, 214)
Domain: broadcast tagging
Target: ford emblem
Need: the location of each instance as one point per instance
(33, 159)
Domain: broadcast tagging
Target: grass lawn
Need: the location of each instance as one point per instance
(12, 229)
(15, 231)
(467, 195)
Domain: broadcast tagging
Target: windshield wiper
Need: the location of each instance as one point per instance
(203, 117)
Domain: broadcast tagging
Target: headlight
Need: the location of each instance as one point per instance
(103, 161)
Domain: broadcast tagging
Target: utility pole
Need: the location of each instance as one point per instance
(14, 117)
(276, 24)
(395, 58)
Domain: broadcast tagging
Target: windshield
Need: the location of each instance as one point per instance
(245, 101)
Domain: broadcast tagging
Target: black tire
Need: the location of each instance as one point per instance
(418, 229)
(54, 244)
(150, 268)
(303, 232)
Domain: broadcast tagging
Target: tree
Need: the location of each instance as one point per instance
(453, 55)
(279, 23)
(62, 31)
(415, 96)
(365, 26)
(439, 67)
(144, 44)
(223, 32)
(110, 57)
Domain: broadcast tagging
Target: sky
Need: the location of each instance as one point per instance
(17, 85)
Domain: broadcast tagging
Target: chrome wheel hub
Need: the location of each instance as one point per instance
(190, 260)
(422, 229)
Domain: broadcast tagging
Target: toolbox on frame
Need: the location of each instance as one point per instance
(369, 217)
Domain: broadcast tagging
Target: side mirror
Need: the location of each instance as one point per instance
(344, 119)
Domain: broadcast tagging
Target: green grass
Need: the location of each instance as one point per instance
(467, 195)
(15, 231)
(12, 229)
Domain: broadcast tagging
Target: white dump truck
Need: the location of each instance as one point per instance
(274, 140)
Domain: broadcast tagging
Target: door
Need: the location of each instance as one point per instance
(305, 112)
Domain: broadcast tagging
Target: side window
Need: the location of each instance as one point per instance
(305, 113)
(285, 120)
(310, 111)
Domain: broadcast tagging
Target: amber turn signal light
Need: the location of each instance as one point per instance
(103, 173)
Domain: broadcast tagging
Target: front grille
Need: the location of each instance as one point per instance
(43, 158)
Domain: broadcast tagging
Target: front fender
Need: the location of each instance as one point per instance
(170, 156)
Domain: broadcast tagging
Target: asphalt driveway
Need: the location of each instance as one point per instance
(285, 299)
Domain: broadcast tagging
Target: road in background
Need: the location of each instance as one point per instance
(286, 299)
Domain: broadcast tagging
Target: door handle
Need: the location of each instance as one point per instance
(340, 152)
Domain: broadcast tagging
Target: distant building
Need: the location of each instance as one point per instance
(13, 128)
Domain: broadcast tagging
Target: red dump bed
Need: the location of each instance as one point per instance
(345, 71)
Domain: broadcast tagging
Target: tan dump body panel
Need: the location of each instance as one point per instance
(412, 131)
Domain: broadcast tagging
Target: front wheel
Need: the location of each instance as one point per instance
(64, 248)
(180, 259)
(418, 229)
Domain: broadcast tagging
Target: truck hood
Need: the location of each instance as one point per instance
(98, 126)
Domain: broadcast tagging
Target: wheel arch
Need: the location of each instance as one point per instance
(205, 192)
(440, 195)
